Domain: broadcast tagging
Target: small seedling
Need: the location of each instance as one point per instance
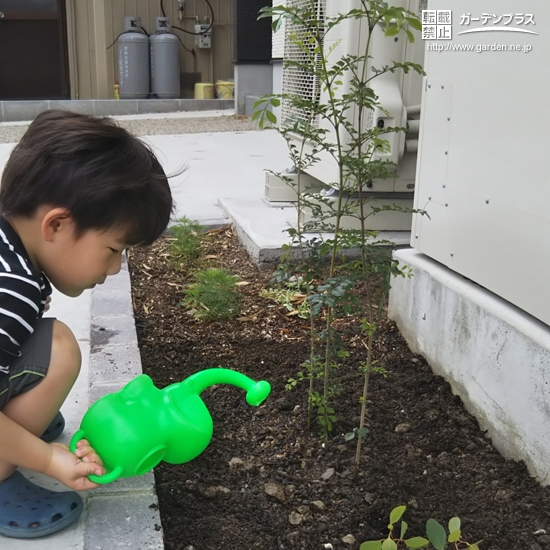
(185, 245)
(214, 296)
(436, 535)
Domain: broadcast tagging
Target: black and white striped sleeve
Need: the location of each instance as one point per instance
(20, 305)
(20, 296)
(23, 292)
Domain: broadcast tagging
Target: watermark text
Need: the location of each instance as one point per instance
(478, 48)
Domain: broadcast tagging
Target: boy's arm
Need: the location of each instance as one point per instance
(21, 448)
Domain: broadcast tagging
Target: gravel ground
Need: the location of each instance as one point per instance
(158, 126)
(12, 134)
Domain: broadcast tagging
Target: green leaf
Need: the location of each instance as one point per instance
(417, 542)
(454, 536)
(454, 524)
(414, 23)
(271, 117)
(396, 513)
(276, 24)
(392, 30)
(436, 534)
(371, 545)
(256, 114)
(349, 436)
(389, 544)
(404, 527)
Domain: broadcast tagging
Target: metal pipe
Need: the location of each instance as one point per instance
(413, 126)
(411, 145)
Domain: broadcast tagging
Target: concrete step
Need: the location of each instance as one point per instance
(260, 226)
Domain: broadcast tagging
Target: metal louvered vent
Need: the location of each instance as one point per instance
(295, 79)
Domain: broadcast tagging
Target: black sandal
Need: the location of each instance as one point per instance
(55, 429)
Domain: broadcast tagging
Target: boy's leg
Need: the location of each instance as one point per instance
(34, 409)
(40, 382)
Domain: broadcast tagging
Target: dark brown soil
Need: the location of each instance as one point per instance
(268, 482)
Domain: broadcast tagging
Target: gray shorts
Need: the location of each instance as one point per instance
(31, 366)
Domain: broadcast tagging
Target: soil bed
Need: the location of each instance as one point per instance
(266, 481)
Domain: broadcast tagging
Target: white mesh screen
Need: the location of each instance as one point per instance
(278, 42)
(295, 79)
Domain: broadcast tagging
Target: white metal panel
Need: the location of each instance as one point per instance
(494, 229)
(431, 196)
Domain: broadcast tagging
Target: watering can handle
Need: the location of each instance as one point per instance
(75, 439)
(109, 477)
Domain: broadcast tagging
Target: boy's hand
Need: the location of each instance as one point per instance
(86, 453)
(47, 304)
(70, 470)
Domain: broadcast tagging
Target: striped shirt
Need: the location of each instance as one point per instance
(23, 294)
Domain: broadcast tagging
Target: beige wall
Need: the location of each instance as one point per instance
(94, 25)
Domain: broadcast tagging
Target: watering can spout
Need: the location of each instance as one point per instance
(256, 392)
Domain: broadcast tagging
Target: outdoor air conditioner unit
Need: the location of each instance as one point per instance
(399, 95)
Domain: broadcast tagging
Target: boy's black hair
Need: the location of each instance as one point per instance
(106, 177)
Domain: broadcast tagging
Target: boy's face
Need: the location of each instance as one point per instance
(73, 265)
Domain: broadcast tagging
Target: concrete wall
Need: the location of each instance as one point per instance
(495, 356)
(251, 80)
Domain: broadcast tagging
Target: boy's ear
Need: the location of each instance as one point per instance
(54, 221)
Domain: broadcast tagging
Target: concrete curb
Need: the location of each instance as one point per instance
(12, 111)
(125, 513)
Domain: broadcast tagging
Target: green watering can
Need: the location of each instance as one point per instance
(134, 429)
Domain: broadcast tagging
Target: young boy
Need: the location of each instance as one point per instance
(75, 192)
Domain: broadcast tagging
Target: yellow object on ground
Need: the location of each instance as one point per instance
(225, 89)
(204, 90)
